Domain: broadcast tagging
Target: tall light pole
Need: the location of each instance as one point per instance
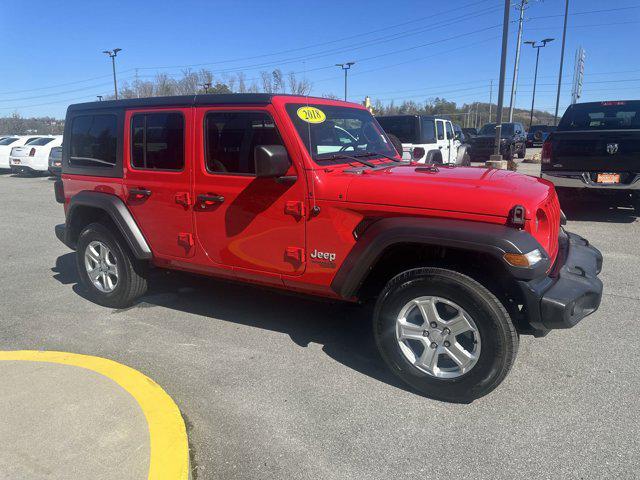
(564, 37)
(490, 100)
(537, 46)
(206, 86)
(99, 97)
(514, 80)
(113, 54)
(345, 67)
(503, 67)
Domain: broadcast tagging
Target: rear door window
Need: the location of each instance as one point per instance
(428, 131)
(157, 141)
(439, 130)
(93, 141)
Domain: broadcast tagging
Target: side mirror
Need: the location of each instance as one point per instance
(457, 136)
(272, 161)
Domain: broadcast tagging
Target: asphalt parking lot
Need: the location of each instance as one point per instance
(277, 386)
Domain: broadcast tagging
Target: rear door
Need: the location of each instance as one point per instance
(247, 223)
(450, 142)
(158, 159)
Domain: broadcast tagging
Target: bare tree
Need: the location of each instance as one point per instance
(302, 87)
(188, 84)
(278, 81)
(164, 85)
(267, 84)
(242, 87)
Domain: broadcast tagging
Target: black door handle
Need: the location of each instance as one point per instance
(139, 192)
(208, 200)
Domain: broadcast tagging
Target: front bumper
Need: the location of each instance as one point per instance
(584, 180)
(570, 292)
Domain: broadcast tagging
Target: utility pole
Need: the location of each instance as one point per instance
(345, 67)
(490, 99)
(113, 54)
(535, 45)
(564, 37)
(514, 80)
(503, 67)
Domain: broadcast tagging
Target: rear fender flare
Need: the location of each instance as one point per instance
(117, 211)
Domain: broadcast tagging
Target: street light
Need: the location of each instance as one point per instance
(113, 53)
(345, 67)
(206, 86)
(543, 43)
(99, 97)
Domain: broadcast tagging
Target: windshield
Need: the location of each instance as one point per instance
(490, 129)
(329, 131)
(41, 141)
(403, 127)
(8, 141)
(601, 116)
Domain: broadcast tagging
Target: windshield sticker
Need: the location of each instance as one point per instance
(311, 114)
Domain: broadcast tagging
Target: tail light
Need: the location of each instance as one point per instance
(547, 150)
(418, 153)
(32, 152)
(58, 190)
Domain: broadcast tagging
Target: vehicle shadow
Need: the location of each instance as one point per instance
(599, 209)
(344, 330)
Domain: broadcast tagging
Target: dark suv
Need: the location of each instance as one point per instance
(513, 142)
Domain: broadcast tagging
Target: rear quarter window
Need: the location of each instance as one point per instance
(93, 141)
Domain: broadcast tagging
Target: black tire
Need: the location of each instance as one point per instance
(523, 151)
(131, 281)
(499, 339)
(510, 153)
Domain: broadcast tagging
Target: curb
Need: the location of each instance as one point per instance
(168, 445)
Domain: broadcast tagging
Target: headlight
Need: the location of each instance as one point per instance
(524, 259)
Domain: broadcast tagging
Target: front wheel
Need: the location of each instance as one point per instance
(108, 271)
(444, 334)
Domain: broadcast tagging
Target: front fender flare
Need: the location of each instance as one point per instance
(492, 239)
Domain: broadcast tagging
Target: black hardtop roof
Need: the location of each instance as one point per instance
(612, 102)
(186, 101)
(414, 115)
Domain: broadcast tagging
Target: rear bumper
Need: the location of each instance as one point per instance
(583, 180)
(571, 291)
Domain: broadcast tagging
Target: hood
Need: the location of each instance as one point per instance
(469, 190)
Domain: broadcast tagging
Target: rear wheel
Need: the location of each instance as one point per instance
(444, 334)
(108, 271)
(523, 151)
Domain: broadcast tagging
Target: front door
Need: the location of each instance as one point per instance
(157, 173)
(251, 224)
(442, 141)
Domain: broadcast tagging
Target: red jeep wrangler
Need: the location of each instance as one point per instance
(309, 195)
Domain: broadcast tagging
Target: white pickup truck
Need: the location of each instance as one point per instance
(426, 139)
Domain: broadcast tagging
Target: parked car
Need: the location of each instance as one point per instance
(470, 132)
(457, 262)
(10, 142)
(425, 139)
(34, 156)
(596, 148)
(512, 142)
(55, 161)
(537, 134)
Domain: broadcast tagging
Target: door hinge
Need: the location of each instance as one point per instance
(295, 209)
(185, 239)
(183, 198)
(295, 253)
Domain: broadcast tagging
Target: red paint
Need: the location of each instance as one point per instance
(264, 231)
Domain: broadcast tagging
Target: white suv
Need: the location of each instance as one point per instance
(425, 139)
(34, 156)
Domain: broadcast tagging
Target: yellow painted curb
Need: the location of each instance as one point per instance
(169, 449)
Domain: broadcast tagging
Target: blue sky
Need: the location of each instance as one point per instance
(404, 49)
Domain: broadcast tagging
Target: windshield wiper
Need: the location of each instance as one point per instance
(377, 154)
(359, 160)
